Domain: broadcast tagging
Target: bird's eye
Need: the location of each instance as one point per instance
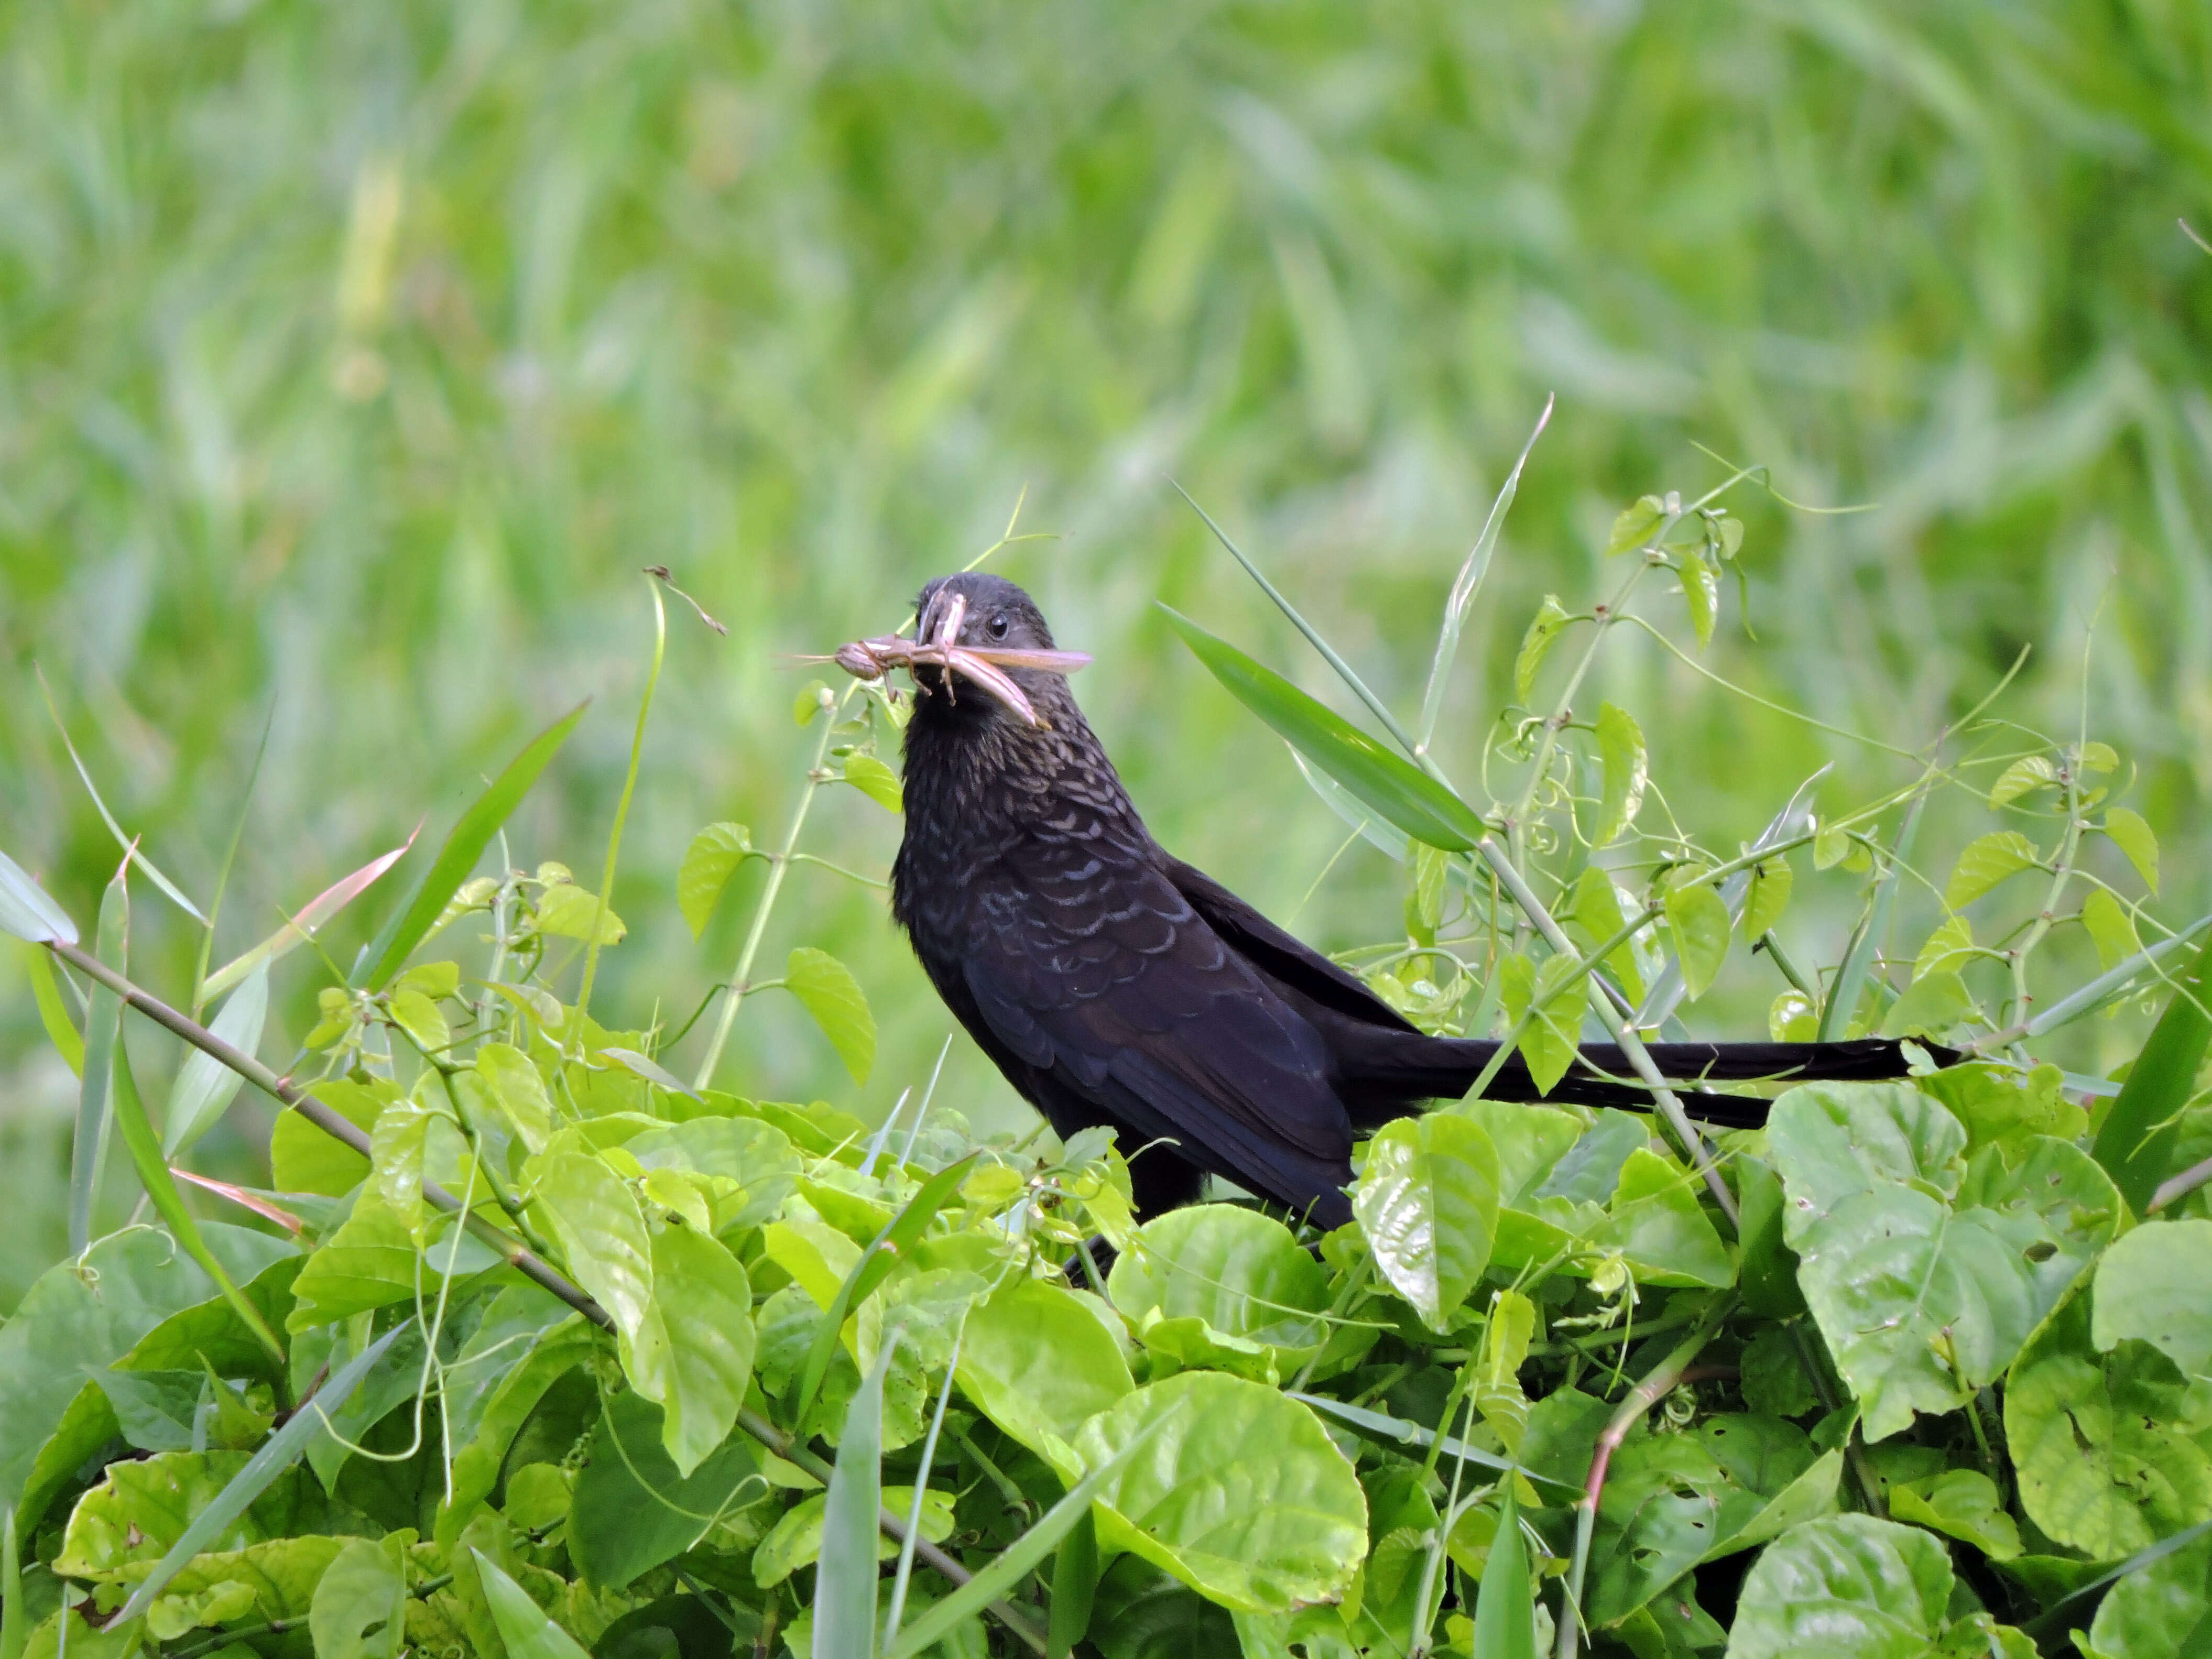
(996, 627)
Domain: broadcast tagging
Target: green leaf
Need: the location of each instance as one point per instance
(829, 991)
(2102, 1444)
(1239, 1274)
(1699, 919)
(1634, 525)
(1986, 862)
(1931, 1006)
(204, 1085)
(103, 1024)
(876, 780)
(1961, 1503)
(2137, 1140)
(795, 1541)
(462, 848)
(368, 1262)
(38, 964)
(758, 1156)
(1550, 621)
(1240, 1492)
(2132, 836)
(515, 1085)
(281, 1452)
(1926, 1276)
(2151, 1288)
(495, 1385)
(1656, 1224)
(1039, 1363)
(1767, 897)
(419, 1017)
(1701, 593)
(1495, 1387)
(523, 1624)
(566, 911)
(708, 863)
(1427, 1204)
(2159, 1611)
(302, 1158)
(1846, 1587)
(27, 912)
(1505, 1604)
(359, 1607)
(1547, 1003)
(633, 1511)
(1394, 788)
(2110, 929)
(2029, 773)
(1620, 747)
(704, 1358)
(845, 1577)
(1947, 949)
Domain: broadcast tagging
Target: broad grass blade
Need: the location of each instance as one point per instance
(95, 1101)
(146, 1153)
(2111, 986)
(205, 1086)
(1505, 1606)
(462, 848)
(845, 1578)
(523, 1624)
(27, 912)
(2138, 1141)
(1399, 791)
(1074, 1588)
(1469, 581)
(317, 911)
(53, 1013)
(277, 1454)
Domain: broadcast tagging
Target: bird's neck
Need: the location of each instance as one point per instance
(977, 780)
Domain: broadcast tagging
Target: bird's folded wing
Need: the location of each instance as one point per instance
(1088, 962)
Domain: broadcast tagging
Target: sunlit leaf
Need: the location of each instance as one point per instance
(1767, 897)
(571, 913)
(1701, 591)
(1620, 745)
(1633, 525)
(876, 780)
(829, 992)
(1947, 949)
(1699, 921)
(2132, 836)
(1427, 1202)
(1985, 863)
(27, 912)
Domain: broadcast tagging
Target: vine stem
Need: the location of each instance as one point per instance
(2062, 867)
(1659, 1382)
(510, 1249)
(778, 864)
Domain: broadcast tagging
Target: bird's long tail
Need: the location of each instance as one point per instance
(1412, 1067)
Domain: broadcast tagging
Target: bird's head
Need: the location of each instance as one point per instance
(979, 634)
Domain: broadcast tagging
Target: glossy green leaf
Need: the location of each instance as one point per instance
(103, 1024)
(359, 1607)
(2162, 1611)
(1656, 1224)
(795, 1541)
(1427, 1204)
(1395, 788)
(633, 1510)
(1239, 1273)
(827, 988)
(1947, 948)
(1239, 1492)
(514, 1083)
(368, 1262)
(1986, 862)
(1698, 920)
(1634, 525)
(204, 1085)
(1926, 1276)
(1039, 1364)
(1847, 1587)
(2029, 773)
(2137, 1139)
(594, 1215)
(1626, 767)
(757, 1156)
(708, 863)
(2132, 836)
(1767, 897)
(414, 919)
(2152, 1287)
(523, 1624)
(569, 912)
(2104, 1444)
(1961, 1503)
(876, 780)
(1701, 593)
(27, 912)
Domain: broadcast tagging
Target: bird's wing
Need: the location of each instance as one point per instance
(1087, 963)
(1276, 953)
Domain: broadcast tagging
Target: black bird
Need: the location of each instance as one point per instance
(1114, 984)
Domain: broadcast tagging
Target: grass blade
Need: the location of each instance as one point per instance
(523, 1624)
(205, 1086)
(2137, 1143)
(302, 927)
(1384, 839)
(1397, 789)
(1399, 1433)
(1469, 581)
(277, 1454)
(27, 912)
(15, 1623)
(462, 848)
(146, 1153)
(1015, 1562)
(53, 1013)
(1505, 1605)
(1074, 1587)
(129, 845)
(2111, 986)
(1858, 959)
(95, 1102)
(845, 1578)
(913, 1538)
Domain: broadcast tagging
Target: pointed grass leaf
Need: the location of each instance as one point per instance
(1427, 1204)
(1543, 632)
(1869, 939)
(1401, 791)
(53, 1015)
(708, 863)
(1074, 1587)
(2128, 832)
(1699, 921)
(1626, 768)
(205, 1086)
(103, 1024)
(795, 1541)
(463, 847)
(2137, 1140)
(303, 926)
(1238, 1492)
(1505, 1602)
(15, 1622)
(845, 1580)
(27, 912)
(826, 989)
(1986, 862)
(281, 1451)
(524, 1626)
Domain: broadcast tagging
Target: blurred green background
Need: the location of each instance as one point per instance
(353, 359)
